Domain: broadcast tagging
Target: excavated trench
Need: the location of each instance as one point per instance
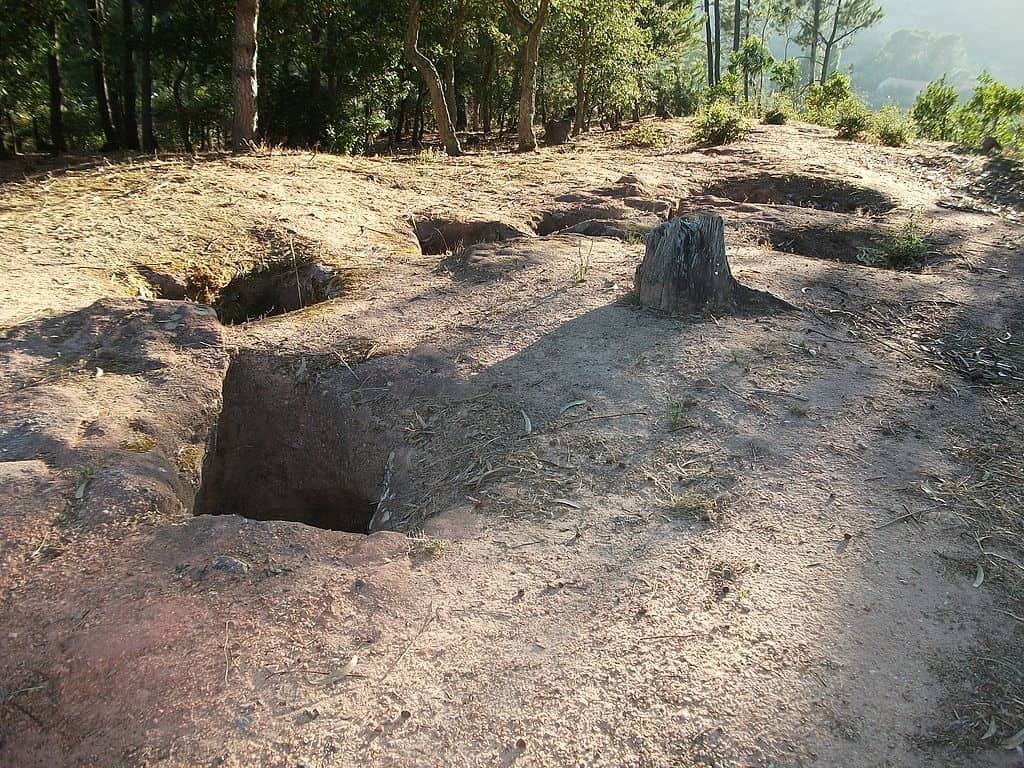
(287, 448)
(816, 192)
(439, 236)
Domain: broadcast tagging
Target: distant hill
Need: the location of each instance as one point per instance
(989, 33)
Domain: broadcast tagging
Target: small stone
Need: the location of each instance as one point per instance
(230, 564)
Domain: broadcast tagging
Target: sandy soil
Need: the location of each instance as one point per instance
(767, 539)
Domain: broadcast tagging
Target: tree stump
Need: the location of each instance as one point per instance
(685, 267)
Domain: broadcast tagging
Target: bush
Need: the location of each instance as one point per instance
(934, 108)
(892, 127)
(994, 110)
(780, 111)
(902, 248)
(851, 118)
(823, 101)
(645, 135)
(719, 123)
(727, 89)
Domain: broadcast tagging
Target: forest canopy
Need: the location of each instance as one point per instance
(339, 75)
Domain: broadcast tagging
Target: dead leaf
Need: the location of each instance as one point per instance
(991, 730)
(528, 423)
(340, 674)
(1014, 741)
(980, 578)
(573, 404)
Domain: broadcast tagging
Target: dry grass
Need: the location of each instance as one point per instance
(989, 504)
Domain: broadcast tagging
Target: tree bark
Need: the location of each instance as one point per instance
(184, 127)
(815, 33)
(56, 90)
(99, 74)
(528, 78)
(315, 112)
(487, 102)
(737, 16)
(449, 64)
(148, 139)
(429, 74)
(685, 268)
(827, 55)
(243, 76)
(129, 124)
(710, 41)
(718, 41)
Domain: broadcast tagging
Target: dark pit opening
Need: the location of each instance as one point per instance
(445, 236)
(277, 289)
(285, 450)
(817, 192)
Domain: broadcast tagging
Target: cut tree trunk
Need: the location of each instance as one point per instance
(685, 269)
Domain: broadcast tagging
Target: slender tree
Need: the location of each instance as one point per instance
(148, 139)
(528, 78)
(718, 41)
(130, 125)
(709, 42)
(243, 76)
(429, 74)
(97, 18)
(461, 7)
(56, 89)
(815, 33)
(849, 17)
(737, 15)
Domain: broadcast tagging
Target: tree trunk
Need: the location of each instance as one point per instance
(243, 76)
(148, 139)
(183, 122)
(315, 112)
(815, 32)
(417, 122)
(99, 74)
(130, 125)
(685, 268)
(737, 17)
(429, 74)
(56, 91)
(486, 104)
(718, 41)
(581, 87)
(827, 55)
(528, 78)
(710, 41)
(449, 64)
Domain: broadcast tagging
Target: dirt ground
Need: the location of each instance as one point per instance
(603, 537)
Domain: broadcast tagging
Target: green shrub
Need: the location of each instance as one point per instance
(823, 101)
(851, 118)
(780, 111)
(892, 127)
(727, 89)
(645, 135)
(995, 110)
(903, 248)
(934, 108)
(719, 123)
